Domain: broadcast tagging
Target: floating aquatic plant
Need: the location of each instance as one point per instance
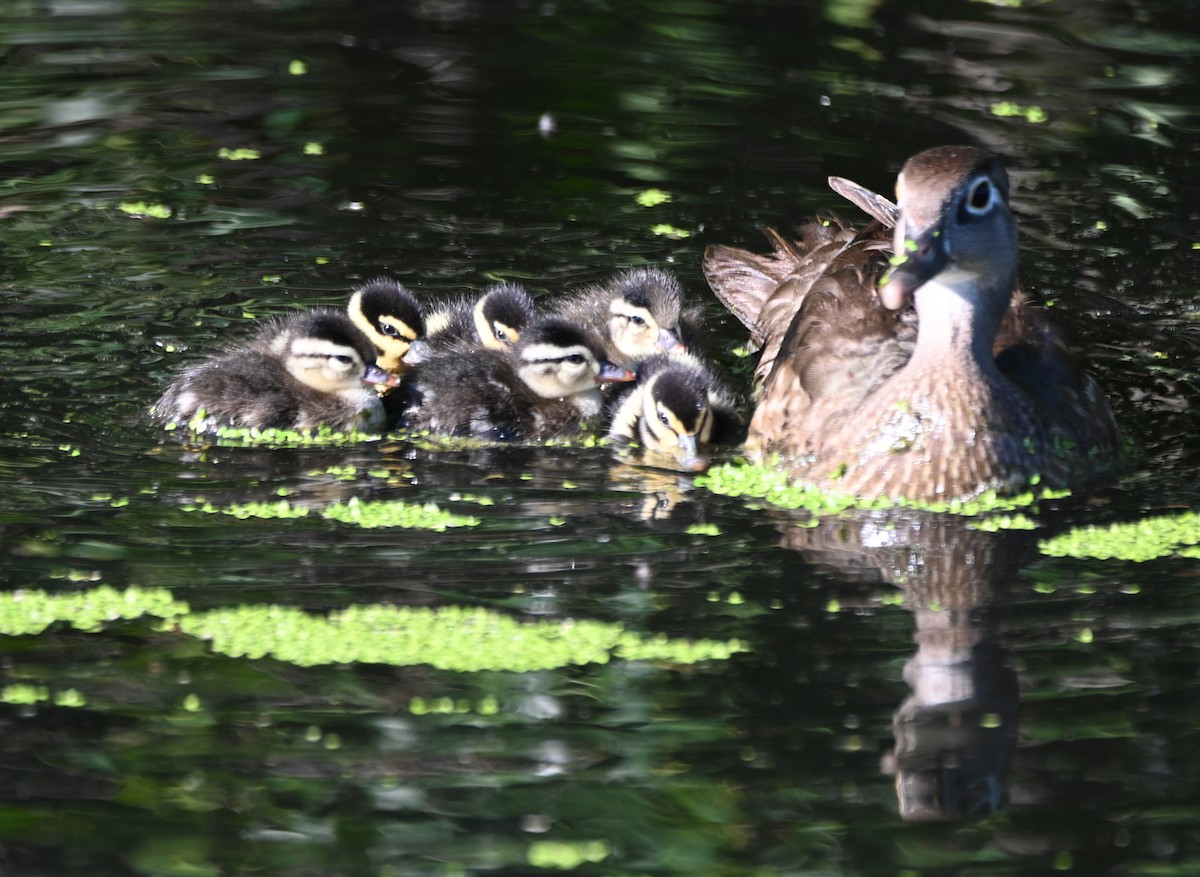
(1146, 539)
(773, 485)
(392, 513)
(361, 513)
(464, 639)
(201, 424)
(145, 209)
(30, 612)
(452, 637)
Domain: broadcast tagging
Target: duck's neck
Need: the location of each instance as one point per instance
(957, 324)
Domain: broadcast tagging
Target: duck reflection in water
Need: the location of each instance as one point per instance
(956, 732)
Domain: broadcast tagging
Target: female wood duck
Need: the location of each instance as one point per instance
(638, 313)
(943, 382)
(546, 387)
(299, 372)
(391, 317)
(677, 408)
(495, 319)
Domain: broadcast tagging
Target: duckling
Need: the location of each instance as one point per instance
(940, 382)
(638, 312)
(494, 319)
(299, 372)
(390, 316)
(674, 411)
(545, 388)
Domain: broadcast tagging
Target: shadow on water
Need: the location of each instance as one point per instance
(914, 695)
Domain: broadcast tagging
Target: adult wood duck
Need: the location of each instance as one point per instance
(930, 379)
(299, 372)
(677, 408)
(387, 313)
(494, 319)
(638, 312)
(547, 387)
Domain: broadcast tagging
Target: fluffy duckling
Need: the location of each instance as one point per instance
(300, 372)
(547, 387)
(495, 319)
(390, 316)
(674, 411)
(638, 312)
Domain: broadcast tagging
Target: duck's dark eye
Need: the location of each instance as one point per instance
(344, 359)
(500, 334)
(663, 419)
(389, 330)
(979, 199)
(574, 358)
(637, 321)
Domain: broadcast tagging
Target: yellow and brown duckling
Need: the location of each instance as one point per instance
(546, 387)
(944, 381)
(388, 314)
(299, 372)
(668, 419)
(638, 312)
(494, 319)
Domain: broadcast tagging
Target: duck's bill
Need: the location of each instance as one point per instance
(610, 372)
(376, 375)
(919, 257)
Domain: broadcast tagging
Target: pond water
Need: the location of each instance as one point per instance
(698, 684)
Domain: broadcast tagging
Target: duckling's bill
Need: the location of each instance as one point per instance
(610, 372)
(377, 375)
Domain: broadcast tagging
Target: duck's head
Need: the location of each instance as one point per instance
(955, 227)
(326, 351)
(676, 421)
(644, 310)
(389, 315)
(501, 313)
(557, 359)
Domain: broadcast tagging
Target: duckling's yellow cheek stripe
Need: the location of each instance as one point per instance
(404, 332)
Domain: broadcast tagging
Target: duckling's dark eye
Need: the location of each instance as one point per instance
(663, 419)
(637, 321)
(500, 334)
(343, 358)
(574, 358)
(389, 330)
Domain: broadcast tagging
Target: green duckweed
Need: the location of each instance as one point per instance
(773, 485)
(566, 855)
(383, 513)
(1138, 541)
(463, 639)
(361, 513)
(30, 612)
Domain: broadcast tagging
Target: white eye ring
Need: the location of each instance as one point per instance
(981, 197)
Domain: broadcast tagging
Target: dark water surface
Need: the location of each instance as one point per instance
(914, 696)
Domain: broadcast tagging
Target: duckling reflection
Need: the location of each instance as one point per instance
(638, 313)
(299, 372)
(387, 313)
(548, 387)
(495, 320)
(956, 732)
(677, 408)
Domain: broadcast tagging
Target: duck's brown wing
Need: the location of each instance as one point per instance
(841, 346)
(764, 291)
(1033, 353)
(873, 204)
